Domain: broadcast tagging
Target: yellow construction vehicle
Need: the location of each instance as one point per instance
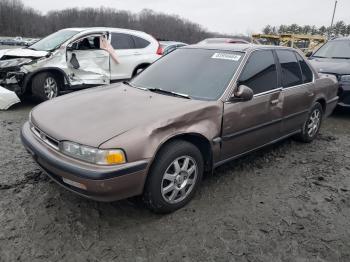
(306, 43)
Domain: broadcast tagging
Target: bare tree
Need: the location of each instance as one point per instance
(17, 19)
(339, 29)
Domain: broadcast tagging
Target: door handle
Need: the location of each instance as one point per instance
(275, 102)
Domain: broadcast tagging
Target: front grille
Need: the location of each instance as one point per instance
(4, 72)
(45, 138)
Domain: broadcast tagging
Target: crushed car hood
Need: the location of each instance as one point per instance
(91, 117)
(22, 52)
(332, 66)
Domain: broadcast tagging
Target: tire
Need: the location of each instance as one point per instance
(312, 125)
(46, 86)
(170, 186)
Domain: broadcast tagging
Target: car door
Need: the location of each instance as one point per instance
(251, 124)
(298, 90)
(89, 65)
(127, 54)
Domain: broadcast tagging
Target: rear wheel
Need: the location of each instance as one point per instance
(312, 125)
(174, 177)
(46, 86)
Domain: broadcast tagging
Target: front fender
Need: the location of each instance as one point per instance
(30, 75)
(143, 142)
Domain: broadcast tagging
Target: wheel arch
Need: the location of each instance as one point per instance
(322, 102)
(54, 70)
(198, 140)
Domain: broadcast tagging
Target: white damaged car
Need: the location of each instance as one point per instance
(76, 58)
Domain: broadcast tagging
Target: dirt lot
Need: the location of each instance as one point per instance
(289, 202)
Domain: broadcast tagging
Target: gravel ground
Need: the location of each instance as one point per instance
(288, 202)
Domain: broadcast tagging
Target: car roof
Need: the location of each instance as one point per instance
(224, 38)
(171, 43)
(93, 29)
(236, 47)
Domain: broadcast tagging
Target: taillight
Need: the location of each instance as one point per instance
(159, 50)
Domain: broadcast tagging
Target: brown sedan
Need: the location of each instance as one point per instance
(190, 112)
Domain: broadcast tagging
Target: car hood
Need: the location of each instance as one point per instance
(22, 52)
(91, 117)
(332, 66)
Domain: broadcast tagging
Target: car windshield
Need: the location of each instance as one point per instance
(334, 49)
(198, 73)
(53, 41)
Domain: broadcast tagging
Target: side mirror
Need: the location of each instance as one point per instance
(244, 93)
(308, 54)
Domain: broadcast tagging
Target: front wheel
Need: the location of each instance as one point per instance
(312, 125)
(46, 86)
(174, 177)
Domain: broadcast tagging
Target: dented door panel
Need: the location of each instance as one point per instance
(93, 67)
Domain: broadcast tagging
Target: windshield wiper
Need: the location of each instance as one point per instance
(166, 92)
(339, 57)
(129, 84)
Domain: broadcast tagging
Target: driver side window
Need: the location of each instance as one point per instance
(87, 43)
(260, 72)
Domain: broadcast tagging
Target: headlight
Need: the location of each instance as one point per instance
(345, 78)
(93, 155)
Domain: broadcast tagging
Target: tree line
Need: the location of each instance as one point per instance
(16, 19)
(338, 29)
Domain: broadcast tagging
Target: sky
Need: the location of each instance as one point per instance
(223, 16)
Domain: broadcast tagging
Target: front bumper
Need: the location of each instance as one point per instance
(344, 94)
(101, 183)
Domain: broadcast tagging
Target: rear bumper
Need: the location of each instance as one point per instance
(331, 104)
(101, 183)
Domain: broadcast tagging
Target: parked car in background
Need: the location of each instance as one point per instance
(31, 41)
(159, 133)
(334, 58)
(7, 41)
(223, 40)
(72, 59)
(19, 41)
(169, 46)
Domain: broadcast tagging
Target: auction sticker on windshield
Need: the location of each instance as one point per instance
(226, 56)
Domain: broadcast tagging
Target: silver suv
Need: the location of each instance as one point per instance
(76, 58)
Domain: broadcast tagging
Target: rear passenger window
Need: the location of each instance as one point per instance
(260, 72)
(305, 70)
(140, 42)
(122, 41)
(291, 74)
